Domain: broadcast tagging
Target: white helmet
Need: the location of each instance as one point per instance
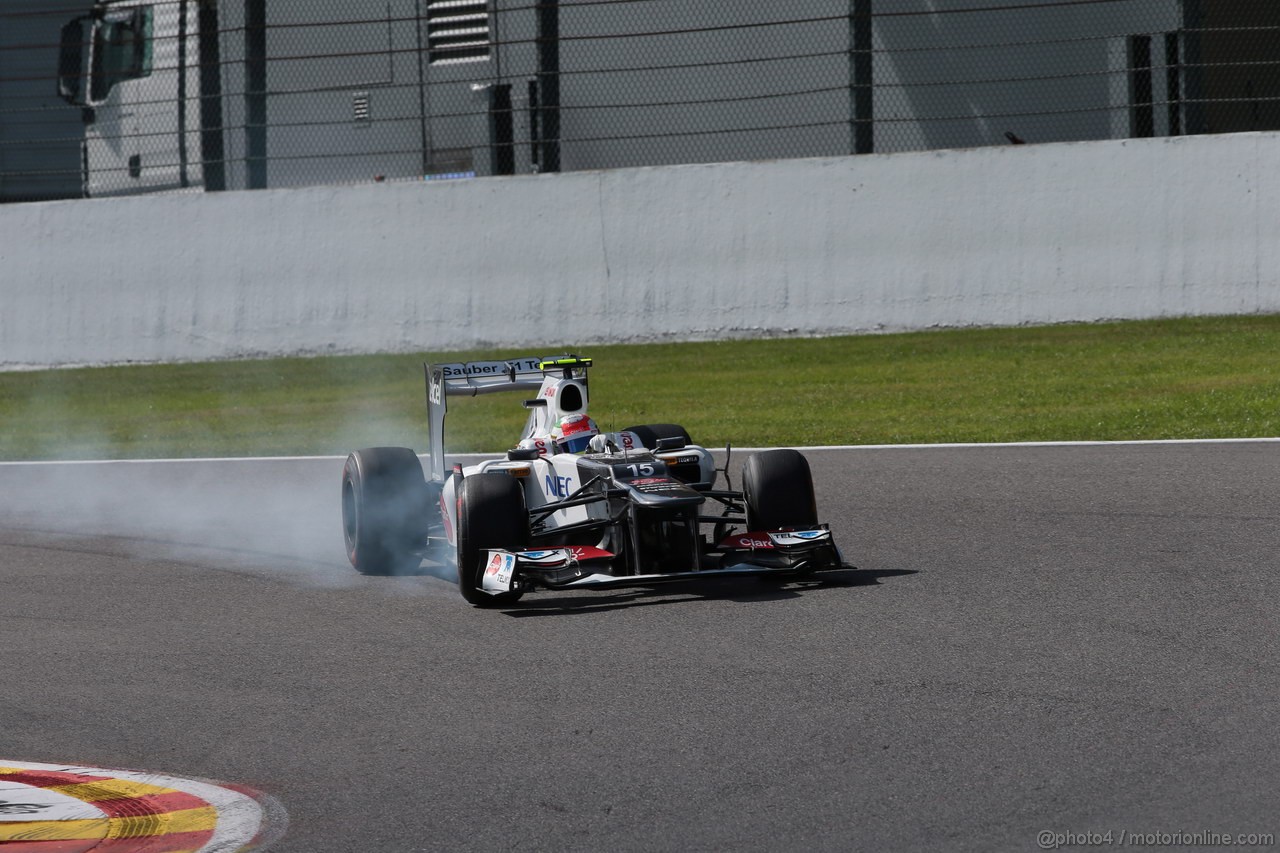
(573, 433)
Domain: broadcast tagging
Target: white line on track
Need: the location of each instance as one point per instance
(1161, 441)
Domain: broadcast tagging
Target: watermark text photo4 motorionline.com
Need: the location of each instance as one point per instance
(1048, 839)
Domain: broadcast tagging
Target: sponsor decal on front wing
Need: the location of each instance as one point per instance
(544, 559)
(799, 537)
(769, 541)
(748, 542)
(562, 557)
(500, 571)
(584, 553)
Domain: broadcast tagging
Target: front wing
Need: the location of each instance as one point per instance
(781, 553)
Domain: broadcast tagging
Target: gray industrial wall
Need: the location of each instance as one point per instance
(988, 236)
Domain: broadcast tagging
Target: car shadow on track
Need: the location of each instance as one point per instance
(746, 590)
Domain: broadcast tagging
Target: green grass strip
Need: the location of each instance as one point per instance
(1185, 378)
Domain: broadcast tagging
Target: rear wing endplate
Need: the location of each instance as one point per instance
(482, 377)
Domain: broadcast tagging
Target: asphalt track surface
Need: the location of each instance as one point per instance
(1069, 639)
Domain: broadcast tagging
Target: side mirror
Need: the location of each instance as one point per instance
(73, 61)
(675, 442)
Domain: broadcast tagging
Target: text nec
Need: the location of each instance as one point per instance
(558, 486)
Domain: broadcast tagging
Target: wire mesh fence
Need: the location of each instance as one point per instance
(129, 96)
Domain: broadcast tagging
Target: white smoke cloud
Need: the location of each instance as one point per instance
(275, 517)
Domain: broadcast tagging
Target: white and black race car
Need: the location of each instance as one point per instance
(633, 508)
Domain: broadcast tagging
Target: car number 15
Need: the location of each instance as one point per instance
(634, 469)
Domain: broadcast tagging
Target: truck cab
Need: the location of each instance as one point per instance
(130, 67)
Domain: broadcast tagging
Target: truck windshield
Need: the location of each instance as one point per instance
(122, 49)
(75, 38)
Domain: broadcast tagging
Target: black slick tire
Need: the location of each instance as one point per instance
(491, 515)
(778, 490)
(650, 433)
(385, 507)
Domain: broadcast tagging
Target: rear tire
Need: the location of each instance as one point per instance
(491, 515)
(385, 506)
(778, 490)
(650, 433)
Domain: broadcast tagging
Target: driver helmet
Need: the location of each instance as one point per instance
(574, 433)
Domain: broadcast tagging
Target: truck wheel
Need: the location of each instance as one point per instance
(491, 515)
(650, 433)
(385, 506)
(778, 490)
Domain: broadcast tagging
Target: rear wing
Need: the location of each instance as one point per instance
(484, 377)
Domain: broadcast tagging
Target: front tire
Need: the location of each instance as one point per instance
(385, 506)
(491, 515)
(778, 490)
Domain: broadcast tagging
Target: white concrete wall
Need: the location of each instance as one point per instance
(992, 236)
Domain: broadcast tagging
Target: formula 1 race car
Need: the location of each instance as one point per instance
(573, 508)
